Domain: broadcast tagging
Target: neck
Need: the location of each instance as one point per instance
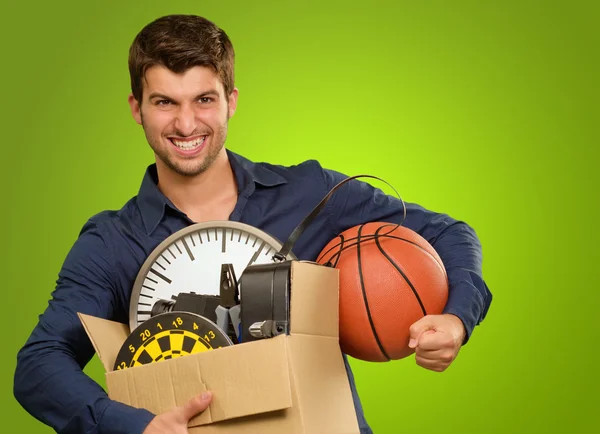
(211, 192)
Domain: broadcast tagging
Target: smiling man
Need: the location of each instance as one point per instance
(185, 116)
(183, 95)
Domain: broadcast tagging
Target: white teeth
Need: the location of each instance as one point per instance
(188, 145)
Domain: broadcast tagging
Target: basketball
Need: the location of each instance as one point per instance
(390, 277)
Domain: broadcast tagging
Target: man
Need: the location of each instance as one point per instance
(183, 95)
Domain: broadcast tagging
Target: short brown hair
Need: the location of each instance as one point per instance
(180, 42)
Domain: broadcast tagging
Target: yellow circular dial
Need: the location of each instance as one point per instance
(170, 335)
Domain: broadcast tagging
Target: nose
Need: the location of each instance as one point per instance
(185, 121)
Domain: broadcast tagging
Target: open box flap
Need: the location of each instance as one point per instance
(107, 337)
(314, 302)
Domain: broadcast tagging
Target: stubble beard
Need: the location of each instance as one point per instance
(192, 168)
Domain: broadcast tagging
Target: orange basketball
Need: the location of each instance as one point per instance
(390, 277)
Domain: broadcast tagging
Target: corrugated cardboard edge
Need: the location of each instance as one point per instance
(106, 336)
(322, 388)
(314, 301)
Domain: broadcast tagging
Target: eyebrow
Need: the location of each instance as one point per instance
(211, 92)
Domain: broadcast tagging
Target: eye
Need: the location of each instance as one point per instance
(205, 100)
(163, 102)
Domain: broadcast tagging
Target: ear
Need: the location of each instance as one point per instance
(135, 109)
(233, 97)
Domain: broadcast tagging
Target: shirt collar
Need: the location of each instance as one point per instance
(259, 173)
(152, 202)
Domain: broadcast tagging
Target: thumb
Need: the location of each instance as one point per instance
(194, 406)
(418, 328)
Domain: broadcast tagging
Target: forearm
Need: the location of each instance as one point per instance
(469, 297)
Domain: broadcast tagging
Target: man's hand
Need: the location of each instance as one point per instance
(437, 340)
(176, 420)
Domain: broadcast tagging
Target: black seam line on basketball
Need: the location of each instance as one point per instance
(419, 246)
(364, 239)
(441, 265)
(337, 259)
(362, 287)
(335, 255)
(341, 246)
(375, 237)
(397, 267)
(324, 254)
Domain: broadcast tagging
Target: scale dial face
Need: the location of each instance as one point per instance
(190, 261)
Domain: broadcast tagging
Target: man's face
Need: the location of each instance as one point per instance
(184, 117)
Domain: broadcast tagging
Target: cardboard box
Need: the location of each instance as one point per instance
(294, 383)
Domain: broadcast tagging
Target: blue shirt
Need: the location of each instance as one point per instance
(99, 272)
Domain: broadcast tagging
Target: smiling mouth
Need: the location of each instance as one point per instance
(188, 145)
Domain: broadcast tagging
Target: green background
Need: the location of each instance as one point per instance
(487, 111)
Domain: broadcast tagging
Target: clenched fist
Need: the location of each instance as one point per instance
(437, 339)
